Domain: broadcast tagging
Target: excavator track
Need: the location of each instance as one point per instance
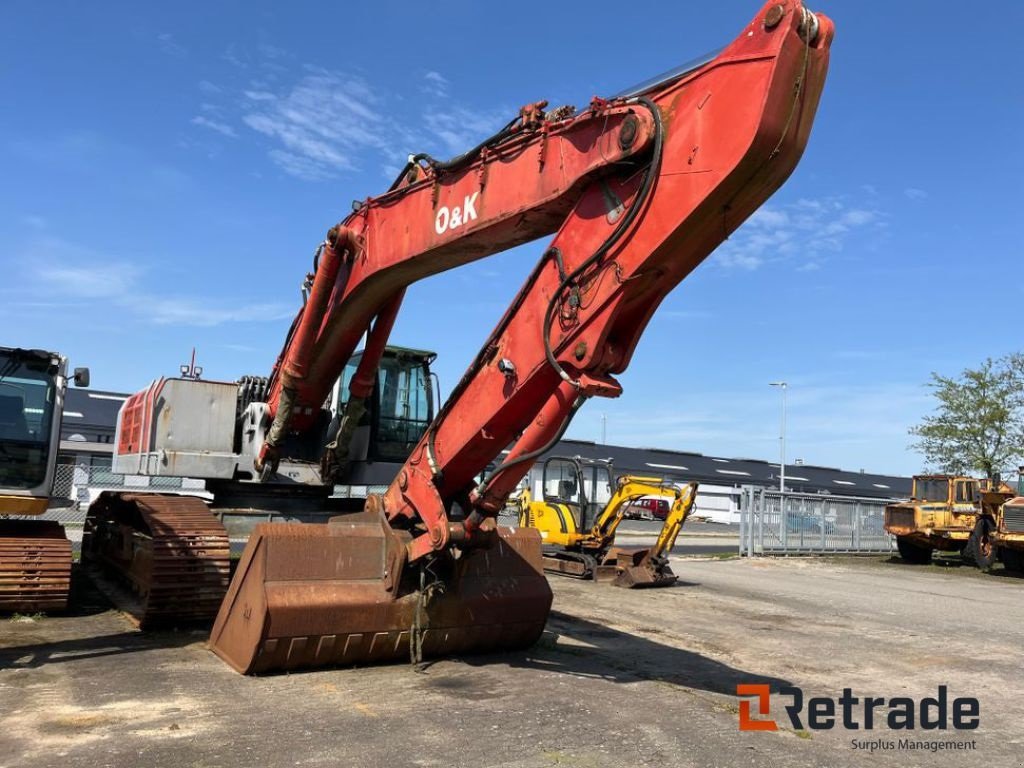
(35, 566)
(162, 559)
(575, 565)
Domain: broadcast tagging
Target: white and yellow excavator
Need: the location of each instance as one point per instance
(579, 514)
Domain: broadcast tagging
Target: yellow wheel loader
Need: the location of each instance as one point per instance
(580, 512)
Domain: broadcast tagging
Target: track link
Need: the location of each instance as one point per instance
(163, 559)
(35, 566)
(575, 565)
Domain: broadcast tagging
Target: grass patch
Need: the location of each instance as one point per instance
(26, 618)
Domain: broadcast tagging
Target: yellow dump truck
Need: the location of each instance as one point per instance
(948, 513)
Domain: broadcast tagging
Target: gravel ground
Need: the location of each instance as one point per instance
(620, 678)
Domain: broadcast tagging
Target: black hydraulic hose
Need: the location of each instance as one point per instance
(478, 361)
(459, 160)
(554, 253)
(645, 189)
(580, 400)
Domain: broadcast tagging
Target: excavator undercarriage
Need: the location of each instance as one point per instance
(162, 559)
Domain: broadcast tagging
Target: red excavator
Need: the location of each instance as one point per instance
(639, 188)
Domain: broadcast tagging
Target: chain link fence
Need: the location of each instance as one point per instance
(811, 524)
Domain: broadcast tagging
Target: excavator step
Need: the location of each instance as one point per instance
(342, 593)
(35, 566)
(162, 559)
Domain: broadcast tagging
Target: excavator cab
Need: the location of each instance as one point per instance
(400, 409)
(583, 486)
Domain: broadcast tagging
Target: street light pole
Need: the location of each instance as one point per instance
(604, 428)
(782, 436)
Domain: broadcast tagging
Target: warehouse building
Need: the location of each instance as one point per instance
(90, 420)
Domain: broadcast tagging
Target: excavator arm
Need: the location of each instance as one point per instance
(628, 489)
(677, 514)
(639, 189)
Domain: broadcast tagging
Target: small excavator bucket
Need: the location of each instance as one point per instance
(341, 593)
(634, 567)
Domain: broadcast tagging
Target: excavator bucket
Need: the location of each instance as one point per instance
(634, 567)
(342, 593)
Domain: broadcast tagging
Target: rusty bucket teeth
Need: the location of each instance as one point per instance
(163, 559)
(35, 566)
(341, 593)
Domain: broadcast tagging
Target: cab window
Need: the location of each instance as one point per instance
(966, 492)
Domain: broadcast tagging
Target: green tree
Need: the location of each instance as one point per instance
(978, 423)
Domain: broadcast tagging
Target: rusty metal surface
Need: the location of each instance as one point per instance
(307, 595)
(635, 567)
(163, 559)
(900, 519)
(577, 569)
(35, 566)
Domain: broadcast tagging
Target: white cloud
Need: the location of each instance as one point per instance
(88, 281)
(58, 269)
(435, 84)
(915, 194)
(207, 87)
(805, 232)
(214, 125)
(460, 128)
(167, 44)
(322, 123)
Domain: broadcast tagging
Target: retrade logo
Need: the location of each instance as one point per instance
(823, 713)
(763, 693)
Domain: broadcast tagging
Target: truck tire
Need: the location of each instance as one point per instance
(913, 552)
(980, 550)
(1013, 559)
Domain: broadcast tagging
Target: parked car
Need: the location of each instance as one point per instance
(797, 522)
(648, 508)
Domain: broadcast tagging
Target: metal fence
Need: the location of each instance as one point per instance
(82, 484)
(810, 524)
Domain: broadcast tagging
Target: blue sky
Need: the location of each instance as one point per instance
(168, 170)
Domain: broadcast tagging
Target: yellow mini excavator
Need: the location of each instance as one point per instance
(579, 514)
